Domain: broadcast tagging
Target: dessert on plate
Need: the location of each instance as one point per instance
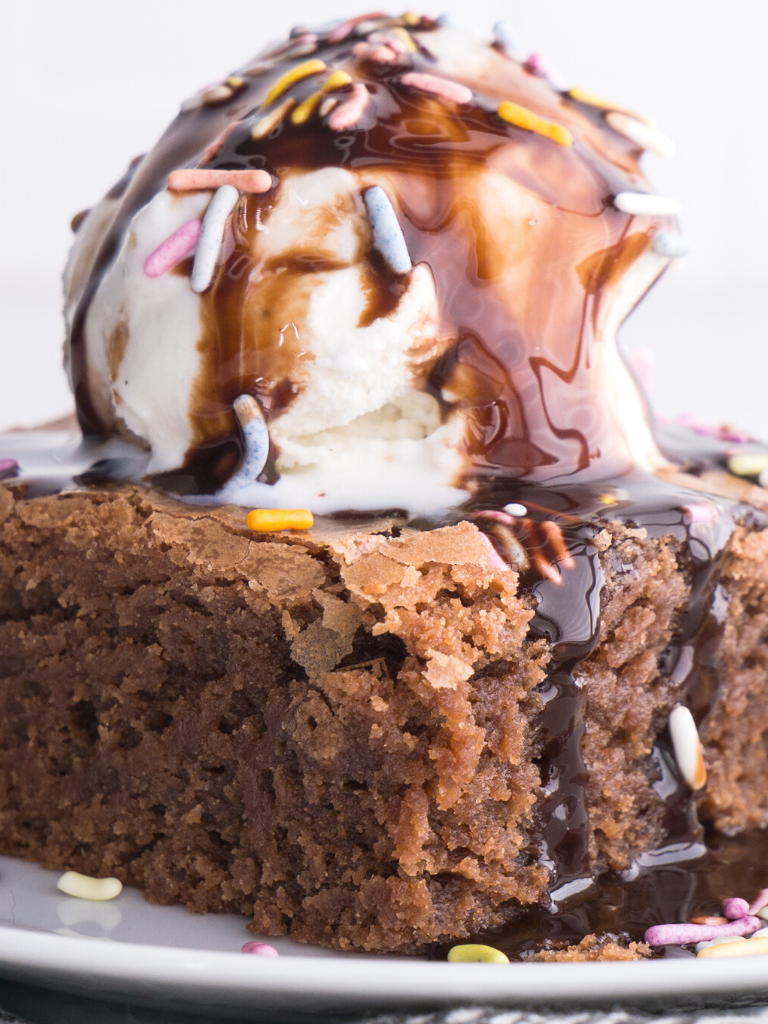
(375, 278)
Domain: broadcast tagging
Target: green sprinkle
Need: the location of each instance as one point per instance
(472, 954)
(747, 465)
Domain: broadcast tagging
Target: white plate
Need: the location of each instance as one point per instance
(167, 957)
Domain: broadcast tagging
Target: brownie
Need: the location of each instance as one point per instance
(343, 733)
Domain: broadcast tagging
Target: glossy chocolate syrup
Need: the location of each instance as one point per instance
(523, 362)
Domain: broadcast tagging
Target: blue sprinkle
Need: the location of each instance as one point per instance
(666, 243)
(256, 437)
(387, 233)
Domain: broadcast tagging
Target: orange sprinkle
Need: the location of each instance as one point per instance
(591, 100)
(521, 117)
(269, 520)
(198, 179)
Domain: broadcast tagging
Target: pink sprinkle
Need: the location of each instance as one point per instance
(173, 250)
(438, 86)
(538, 64)
(350, 112)
(760, 901)
(642, 361)
(498, 517)
(7, 466)
(390, 40)
(259, 949)
(735, 908)
(342, 31)
(497, 562)
(361, 50)
(705, 513)
(682, 934)
(383, 55)
(201, 179)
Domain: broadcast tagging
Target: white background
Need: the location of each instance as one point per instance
(88, 84)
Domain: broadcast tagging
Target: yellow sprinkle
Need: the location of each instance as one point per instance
(751, 947)
(607, 499)
(309, 67)
(409, 18)
(591, 100)
(305, 110)
(404, 37)
(266, 124)
(235, 81)
(472, 954)
(268, 520)
(521, 117)
(747, 465)
(87, 888)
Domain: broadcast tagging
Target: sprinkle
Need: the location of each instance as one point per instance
(701, 512)
(341, 31)
(687, 747)
(521, 117)
(511, 550)
(388, 236)
(645, 204)
(309, 67)
(259, 949)
(7, 468)
(554, 536)
(760, 933)
(650, 139)
(399, 35)
(496, 516)
(182, 243)
(382, 55)
(505, 37)
(752, 947)
(305, 110)
(267, 520)
(256, 438)
(327, 106)
(760, 902)
(349, 113)
(748, 465)
(607, 499)
(538, 64)
(763, 913)
(708, 919)
(211, 236)
(516, 509)
(266, 124)
(721, 941)
(591, 100)
(735, 907)
(666, 243)
(86, 888)
(198, 179)
(476, 954)
(442, 87)
(682, 934)
(497, 562)
(215, 95)
(361, 49)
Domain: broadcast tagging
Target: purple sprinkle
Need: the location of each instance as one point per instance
(735, 908)
(259, 949)
(8, 467)
(682, 934)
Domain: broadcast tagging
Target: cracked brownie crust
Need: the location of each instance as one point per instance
(337, 733)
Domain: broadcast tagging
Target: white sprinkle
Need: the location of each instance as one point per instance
(762, 913)
(650, 139)
(761, 933)
(516, 509)
(687, 747)
(505, 37)
(666, 243)
(211, 236)
(387, 233)
(722, 939)
(87, 888)
(256, 437)
(645, 204)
